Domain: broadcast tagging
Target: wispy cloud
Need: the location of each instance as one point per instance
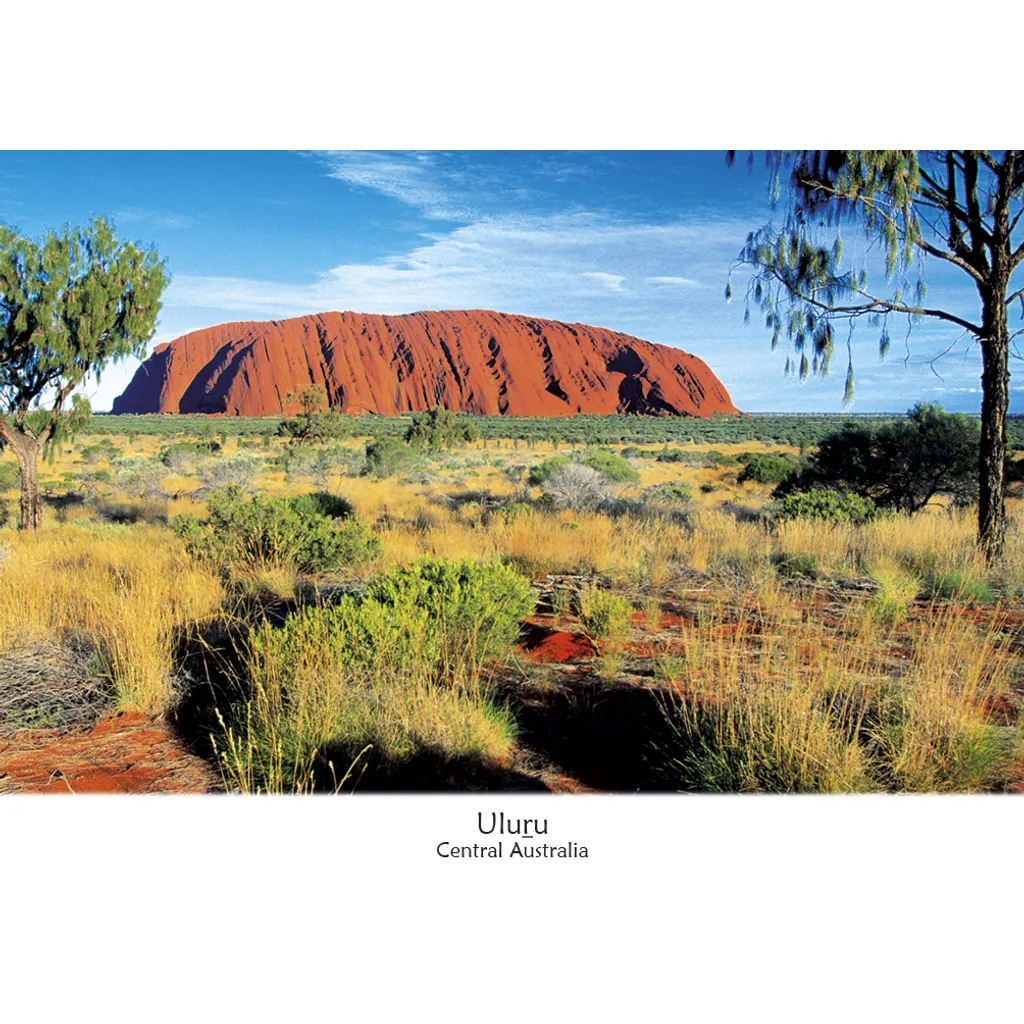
(675, 282)
(516, 263)
(412, 178)
(157, 218)
(612, 282)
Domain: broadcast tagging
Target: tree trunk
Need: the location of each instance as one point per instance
(995, 380)
(26, 448)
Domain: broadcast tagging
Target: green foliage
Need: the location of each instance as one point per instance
(797, 566)
(901, 465)
(611, 466)
(69, 305)
(386, 456)
(604, 614)
(440, 429)
(182, 454)
(138, 477)
(896, 589)
(540, 473)
(316, 428)
(768, 468)
(105, 450)
(10, 476)
(831, 505)
(321, 503)
(963, 587)
(242, 469)
(472, 608)
(670, 493)
(256, 531)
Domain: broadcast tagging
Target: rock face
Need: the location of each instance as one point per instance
(473, 361)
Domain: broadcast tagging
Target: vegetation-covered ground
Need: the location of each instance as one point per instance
(513, 613)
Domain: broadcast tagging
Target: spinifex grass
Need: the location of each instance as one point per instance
(756, 707)
(129, 589)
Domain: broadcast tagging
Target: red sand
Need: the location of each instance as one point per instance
(555, 645)
(128, 753)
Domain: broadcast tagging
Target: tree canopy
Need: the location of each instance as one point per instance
(70, 304)
(902, 465)
(439, 428)
(960, 207)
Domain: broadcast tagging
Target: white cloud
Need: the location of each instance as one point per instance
(613, 282)
(675, 282)
(515, 263)
(411, 178)
(160, 218)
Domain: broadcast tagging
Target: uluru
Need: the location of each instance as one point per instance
(474, 361)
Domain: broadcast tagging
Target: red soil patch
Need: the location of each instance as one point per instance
(556, 645)
(129, 753)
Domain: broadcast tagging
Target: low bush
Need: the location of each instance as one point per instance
(768, 468)
(319, 463)
(576, 487)
(139, 510)
(473, 609)
(604, 614)
(241, 470)
(320, 503)
(385, 456)
(183, 455)
(964, 587)
(541, 473)
(10, 476)
(104, 451)
(139, 477)
(672, 494)
(824, 503)
(252, 532)
(387, 680)
(611, 466)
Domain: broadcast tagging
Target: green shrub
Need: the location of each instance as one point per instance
(611, 466)
(963, 587)
(514, 510)
(105, 450)
(139, 510)
(604, 614)
(795, 566)
(139, 477)
(10, 477)
(474, 609)
(713, 459)
(385, 456)
(316, 428)
(440, 428)
(824, 503)
(541, 473)
(321, 503)
(183, 454)
(671, 455)
(250, 532)
(242, 469)
(675, 494)
(768, 468)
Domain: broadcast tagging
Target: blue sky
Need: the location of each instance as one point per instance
(640, 242)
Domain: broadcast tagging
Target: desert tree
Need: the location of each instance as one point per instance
(960, 207)
(70, 304)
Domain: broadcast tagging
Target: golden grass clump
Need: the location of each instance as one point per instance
(129, 589)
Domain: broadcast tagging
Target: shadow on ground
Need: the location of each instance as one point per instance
(604, 734)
